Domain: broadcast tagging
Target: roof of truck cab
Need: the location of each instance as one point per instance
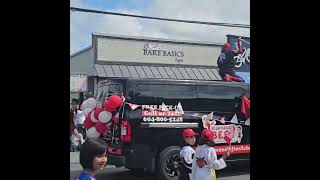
(177, 81)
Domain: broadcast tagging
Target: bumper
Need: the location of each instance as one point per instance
(116, 160)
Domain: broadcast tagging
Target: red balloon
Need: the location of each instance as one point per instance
(97, 112)
(88, 123)
(109, 109)
(114, 102)
(101, 128)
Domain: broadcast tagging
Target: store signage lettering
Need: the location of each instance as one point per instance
(157, 50)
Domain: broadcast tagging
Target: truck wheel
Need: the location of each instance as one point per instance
(168, 164)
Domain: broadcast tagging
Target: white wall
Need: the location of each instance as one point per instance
(123, 50)
(83, 62)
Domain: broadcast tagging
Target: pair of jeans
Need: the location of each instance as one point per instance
(82, 130)
(231, 73)
(75, 148)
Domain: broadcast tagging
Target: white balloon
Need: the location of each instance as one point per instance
(84, 105)
(92, 100)
(92, 117)
(105, 116)
(87, 111)
(92, 133)
(91, 104)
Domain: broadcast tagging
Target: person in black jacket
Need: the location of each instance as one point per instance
(226, 62)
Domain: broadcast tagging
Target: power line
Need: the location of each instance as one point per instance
(72, 9)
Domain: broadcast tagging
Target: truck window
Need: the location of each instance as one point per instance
(115, 89)
(167, 93)
(104, 91)
(218, 98)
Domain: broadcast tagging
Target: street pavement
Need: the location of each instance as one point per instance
(232, 172)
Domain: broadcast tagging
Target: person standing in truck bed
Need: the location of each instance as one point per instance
(226, 62)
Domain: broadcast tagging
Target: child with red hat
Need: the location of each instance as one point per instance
(186, 154)
(205, 159)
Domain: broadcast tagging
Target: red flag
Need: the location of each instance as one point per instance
(210, 116)
(164, 108)
(133, 106)
(239, 45)
(222, 120)
(195, 115)
(229, 137)
(245, 106)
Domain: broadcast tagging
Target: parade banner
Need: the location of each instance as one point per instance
(234, 149)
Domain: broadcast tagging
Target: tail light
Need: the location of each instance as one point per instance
(125, 131)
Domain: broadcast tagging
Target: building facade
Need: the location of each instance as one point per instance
(113, 56)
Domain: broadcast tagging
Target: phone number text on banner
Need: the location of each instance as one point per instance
(162, 119)
(160, 116)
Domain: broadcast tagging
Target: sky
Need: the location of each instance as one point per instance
(82, 25)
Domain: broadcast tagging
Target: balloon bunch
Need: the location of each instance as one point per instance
(98, 119)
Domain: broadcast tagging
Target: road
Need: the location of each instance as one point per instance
(232, 172)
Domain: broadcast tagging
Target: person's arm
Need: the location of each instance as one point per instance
(193, 168)
(81, 138)
(215, 162)
(222, 58)
(239, 49)
(187, 156)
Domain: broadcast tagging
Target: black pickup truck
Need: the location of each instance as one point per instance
(148, 139)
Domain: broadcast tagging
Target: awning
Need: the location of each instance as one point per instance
(157, 72)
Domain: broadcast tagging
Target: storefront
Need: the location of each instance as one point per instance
(113, 56)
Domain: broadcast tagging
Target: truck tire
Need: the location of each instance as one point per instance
(168, 163)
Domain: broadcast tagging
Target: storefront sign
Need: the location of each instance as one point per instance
(155, 49)
(118, 49)
(78, 82)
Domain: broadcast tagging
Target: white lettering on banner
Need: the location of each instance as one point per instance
(170, 107)
(152, 113)
(220, 131)
(242, 58)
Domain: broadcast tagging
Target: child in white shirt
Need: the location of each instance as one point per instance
(205, 159)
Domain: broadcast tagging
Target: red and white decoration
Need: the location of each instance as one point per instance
(98, 119)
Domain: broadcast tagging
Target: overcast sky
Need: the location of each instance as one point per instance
(227, 11)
